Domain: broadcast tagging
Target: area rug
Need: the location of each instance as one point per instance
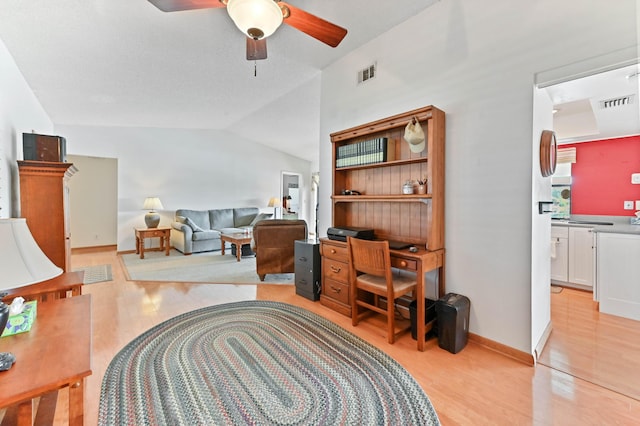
(96, 274)
(257, 362)
(210, 267)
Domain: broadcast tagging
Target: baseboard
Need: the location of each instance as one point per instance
(93, 249)
(503, 349)
(543, 341)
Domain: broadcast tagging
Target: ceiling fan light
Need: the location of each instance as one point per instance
(255, 18)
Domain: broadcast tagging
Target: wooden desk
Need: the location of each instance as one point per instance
(335, 278)
(68, 283)
(162, 233)
(421, 262)
(54, 354)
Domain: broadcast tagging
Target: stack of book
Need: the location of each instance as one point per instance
(374, 151)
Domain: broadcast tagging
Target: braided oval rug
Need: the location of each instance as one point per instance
(259, 363)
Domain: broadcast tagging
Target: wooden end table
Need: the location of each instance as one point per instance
(54, 354)
(163, 233)
(238, 239)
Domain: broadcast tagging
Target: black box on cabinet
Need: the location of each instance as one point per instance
(48, 148)
(452, 312)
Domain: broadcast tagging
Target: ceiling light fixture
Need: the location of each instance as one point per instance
(255, 18)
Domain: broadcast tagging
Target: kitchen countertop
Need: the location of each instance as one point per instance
(621, 224)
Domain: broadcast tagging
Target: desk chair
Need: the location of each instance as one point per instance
(370, 273)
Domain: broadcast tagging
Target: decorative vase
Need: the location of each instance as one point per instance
(407, 188)
(422, 189)
(152, 219)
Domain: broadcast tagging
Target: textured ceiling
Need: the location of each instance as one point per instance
(126, 63)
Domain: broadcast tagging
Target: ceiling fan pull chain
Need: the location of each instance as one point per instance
(255, 68)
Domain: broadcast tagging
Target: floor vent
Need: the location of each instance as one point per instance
(367, 74)
(617, 102)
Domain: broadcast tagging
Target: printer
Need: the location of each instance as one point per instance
(340, 233)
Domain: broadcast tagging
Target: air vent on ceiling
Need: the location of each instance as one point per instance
(367, 74)
(617, 102)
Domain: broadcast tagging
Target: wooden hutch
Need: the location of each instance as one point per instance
(417, 218)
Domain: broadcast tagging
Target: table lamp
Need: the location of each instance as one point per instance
(22, 263)
(152, 219)
(275, 203)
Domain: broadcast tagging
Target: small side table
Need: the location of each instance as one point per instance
(162, 233)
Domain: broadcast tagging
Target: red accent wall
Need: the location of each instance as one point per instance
(601, 176)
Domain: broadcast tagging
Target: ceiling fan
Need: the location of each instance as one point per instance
(258, 19)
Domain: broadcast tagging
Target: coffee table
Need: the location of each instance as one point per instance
(54, 354)
(238, 239)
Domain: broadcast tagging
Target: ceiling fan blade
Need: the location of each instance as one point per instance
(256, 49)
(177, 5)
(317, 28)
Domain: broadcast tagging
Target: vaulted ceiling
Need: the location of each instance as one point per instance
(126, 63)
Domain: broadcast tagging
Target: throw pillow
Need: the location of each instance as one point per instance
(259, 217)
(192, 225)
(181, 219)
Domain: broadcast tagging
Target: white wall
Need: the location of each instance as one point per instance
(20, 112)
(196, 169)
(477, 62)
(93, 201)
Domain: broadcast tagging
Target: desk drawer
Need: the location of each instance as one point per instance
(335, 270)
(151, 234)
(334, 251)
(336, 290)
(402, 263)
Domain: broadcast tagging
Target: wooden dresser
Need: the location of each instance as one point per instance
(44, 202)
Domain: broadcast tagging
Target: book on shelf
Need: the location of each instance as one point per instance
(373, 151)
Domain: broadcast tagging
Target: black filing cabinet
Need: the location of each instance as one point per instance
(308, 269)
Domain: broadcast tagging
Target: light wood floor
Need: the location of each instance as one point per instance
(600, 348)
(474, 387)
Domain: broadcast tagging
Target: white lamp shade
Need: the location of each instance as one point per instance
(248, 15)
(274, 202)
(21, 260)
(152, 203)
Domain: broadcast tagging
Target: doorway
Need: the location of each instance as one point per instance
(292, 195)
(93, 202)
(581, 343)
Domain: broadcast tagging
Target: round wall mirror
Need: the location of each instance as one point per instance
(548, 153)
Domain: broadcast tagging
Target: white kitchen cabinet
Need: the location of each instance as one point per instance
(581, 256)
(573, 264)
(618, 274)
(560, 248)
